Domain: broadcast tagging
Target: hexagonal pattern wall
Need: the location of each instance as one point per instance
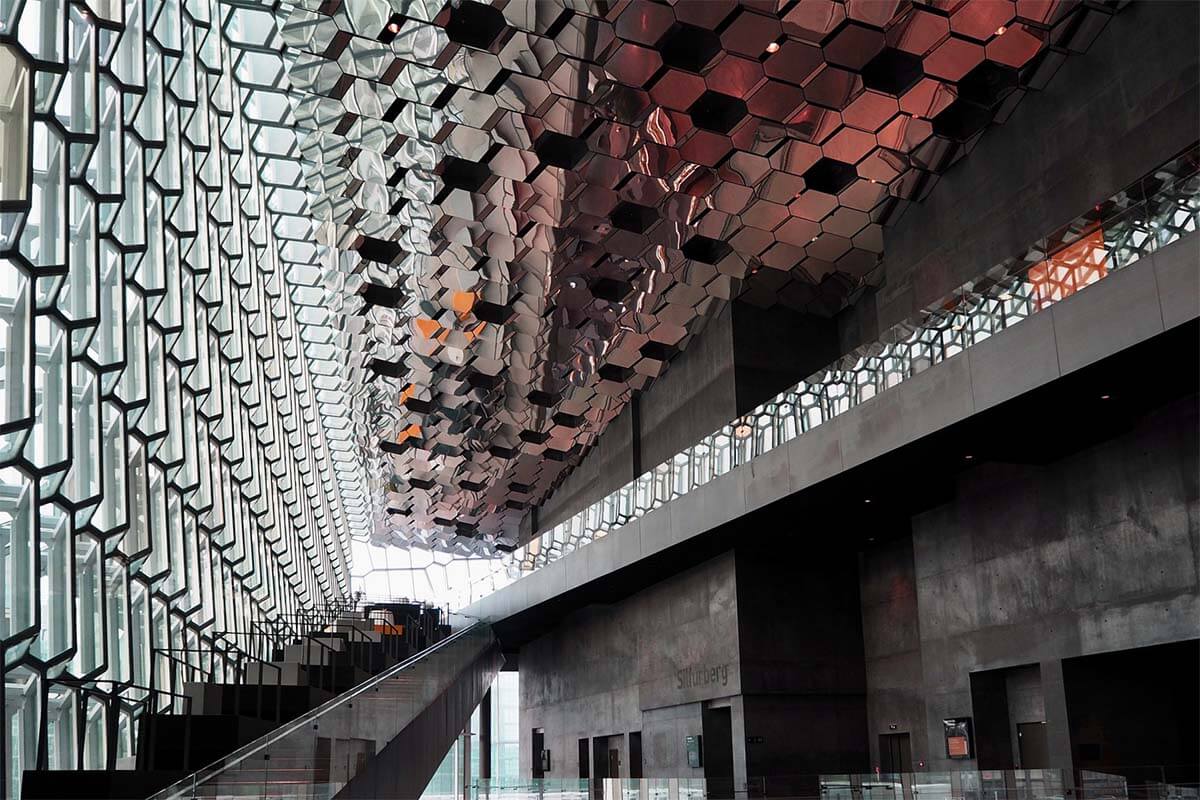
(166, 481)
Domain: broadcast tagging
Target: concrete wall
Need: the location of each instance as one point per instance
(1108, 116)
(610, 670)
(1031, 564)
(803, 679)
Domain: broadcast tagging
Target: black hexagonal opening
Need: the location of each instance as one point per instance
(657, 351)
(390, 369)
(534, 437)
(987, 84)
(380, 251)
(612, 372)
(459, 173)
(559, 150)
(539, 398)
(633, 217)
(568, 420)
(706, 250)
(892, 71)
(474, 24)
(688, 47)
(829, 176)
(492, 312)
(481, 380)
(717, 112)
(388, 296)
(961, 120)
(610, 289)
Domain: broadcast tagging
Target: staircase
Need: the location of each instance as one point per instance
(312, 658)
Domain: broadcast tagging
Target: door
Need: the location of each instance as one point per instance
(1031, 742)
(895, 753)
(539, 744)
(717, 728)
(635, 754)
(583, 759)
(599, 766)
(614, 762)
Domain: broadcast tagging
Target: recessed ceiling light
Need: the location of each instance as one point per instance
(1006, 296)
(866, 500)
(1000, 31)
(968, 457)
(1106, 397)
(393, 27)
(773, 47)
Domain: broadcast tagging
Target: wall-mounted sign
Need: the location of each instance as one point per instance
(960, 743)
(702, 675)
(694, 746)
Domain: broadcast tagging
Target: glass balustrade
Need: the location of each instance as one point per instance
(316, 755)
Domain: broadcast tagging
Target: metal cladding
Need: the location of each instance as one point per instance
(537, 204)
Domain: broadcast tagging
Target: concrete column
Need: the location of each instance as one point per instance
(1058, 733)
(485, 736)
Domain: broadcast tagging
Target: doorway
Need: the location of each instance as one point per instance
(1031, 743)
(717, 726)
(635, 754)
(538, 745)
(895, 753)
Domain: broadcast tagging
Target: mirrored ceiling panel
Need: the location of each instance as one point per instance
(524, 210)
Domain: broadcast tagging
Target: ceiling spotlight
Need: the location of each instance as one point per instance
(1000, 31)
(773, 47)
(393, 27)
(968, 457)
(870, 538)
(1006, 296)
(1106, 397)
(867, 500)
(573, 284)
(742, 430)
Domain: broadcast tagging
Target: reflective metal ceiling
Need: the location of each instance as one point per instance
(531, 207)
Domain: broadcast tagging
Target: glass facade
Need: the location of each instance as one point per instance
(166, 479)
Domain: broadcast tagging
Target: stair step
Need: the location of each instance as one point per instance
(276, 673)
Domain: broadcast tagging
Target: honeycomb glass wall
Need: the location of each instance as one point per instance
(165, 479)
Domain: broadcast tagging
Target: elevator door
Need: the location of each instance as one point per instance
(718, 751)
(1031, 739)
(895, 753)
